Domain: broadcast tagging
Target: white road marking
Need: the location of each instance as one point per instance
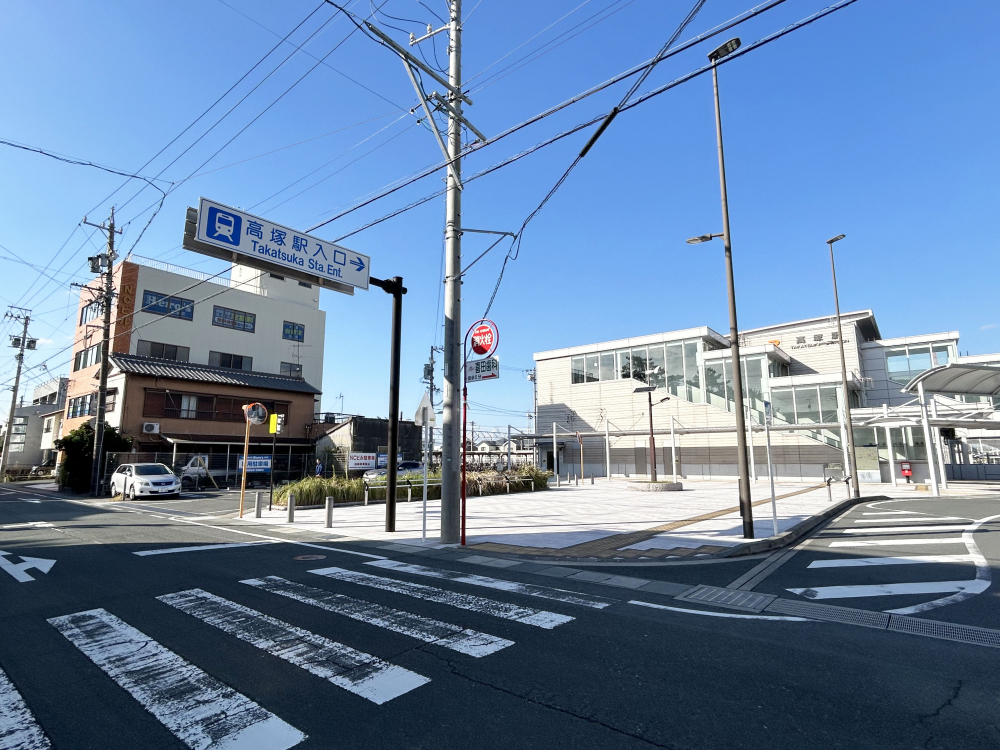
(199, 548)
(902, 529)
(198, 709)
(16, 570)
(853, 562)
(29, 500)
(974, 586)
(719, 614)
(356, 671)
(18, 729)
(543, 592)
(28, 525)
(445, 634)
(928, 519)
(894, 513)
(894, 542)
(528, 616)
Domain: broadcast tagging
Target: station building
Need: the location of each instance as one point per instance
(586, 398)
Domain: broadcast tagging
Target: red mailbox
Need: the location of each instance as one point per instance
(904, 469)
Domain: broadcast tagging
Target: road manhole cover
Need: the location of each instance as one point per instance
(310, 557)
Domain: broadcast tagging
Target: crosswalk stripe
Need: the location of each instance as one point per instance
(894, 542)
(356, 671)
(469, 642)
(537, 617)
(902, 529)
(528, 589)
(853, 562)
(199, 710)
(929, 519)
(18, 730)
(891, 589)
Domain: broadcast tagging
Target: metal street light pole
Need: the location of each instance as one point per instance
(746, 507)
(848, 428)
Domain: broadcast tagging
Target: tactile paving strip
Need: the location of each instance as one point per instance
(946, 630)
(719, 597)
(848, 615)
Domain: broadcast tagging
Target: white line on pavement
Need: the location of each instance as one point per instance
(469, 642)
(28, 525)
(901, 529)
(198, 709)
(719, 614)
(853, 562)
(894, 542)
(18, 730)
(514, 587)
(928, 519)
(356, 671)
(526, 615)
(199, 548)
(974, 586)
(894, 513)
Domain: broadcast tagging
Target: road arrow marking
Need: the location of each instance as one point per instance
(17, 570)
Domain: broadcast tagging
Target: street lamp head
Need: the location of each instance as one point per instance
(702, 238)
(838, 238)
(726, 49)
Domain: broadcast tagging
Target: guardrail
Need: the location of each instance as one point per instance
(408, 483)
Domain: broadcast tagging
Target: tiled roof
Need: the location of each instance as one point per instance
(165, 368)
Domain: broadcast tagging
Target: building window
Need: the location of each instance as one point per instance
(904, 363)
(306, 284)
(111, 401)
(163, 351)
(230, 361)
(163, 304)
(48, 424)
(293, 331)
(276, 276)
(82, 406)
(189, 407)
(235, 319)
(90, 312)
(204, 407)
(87, 357)
(291, 370)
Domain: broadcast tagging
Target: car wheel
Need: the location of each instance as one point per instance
(131, 493)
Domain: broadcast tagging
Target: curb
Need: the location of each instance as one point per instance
(799, 530)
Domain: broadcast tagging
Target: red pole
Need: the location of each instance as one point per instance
(465, 412)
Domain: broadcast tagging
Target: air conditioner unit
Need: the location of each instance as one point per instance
(151, 428)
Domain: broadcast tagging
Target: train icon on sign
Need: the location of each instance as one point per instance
(224, 226)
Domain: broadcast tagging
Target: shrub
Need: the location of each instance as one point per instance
(78, 454)
(315, 490)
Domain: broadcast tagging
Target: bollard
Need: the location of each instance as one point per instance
(329, 513)
(591, 478)
(366, 493)
(256, 505)
(847, 486)
(409, 491)
(557, 480)
(291, 508)
(532, 485)
(829, 489)
(508, 486)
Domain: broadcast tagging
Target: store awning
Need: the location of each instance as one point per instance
(970, 380)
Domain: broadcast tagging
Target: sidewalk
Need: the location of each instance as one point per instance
(602, 521)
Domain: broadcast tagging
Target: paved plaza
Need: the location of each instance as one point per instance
(603, 519)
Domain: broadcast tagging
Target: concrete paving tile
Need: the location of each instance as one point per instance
(589, 575)
(626, 582)
(500, 562)
(556, 571)
(665, 587)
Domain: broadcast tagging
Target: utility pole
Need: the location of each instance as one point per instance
(451, 480)
(450, 105)
(24, 316)
(103, 263)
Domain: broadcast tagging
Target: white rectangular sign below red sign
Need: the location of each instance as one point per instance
(482, 369)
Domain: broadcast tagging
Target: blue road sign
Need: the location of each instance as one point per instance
(303, 255)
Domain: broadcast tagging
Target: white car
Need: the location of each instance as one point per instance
(145, 480)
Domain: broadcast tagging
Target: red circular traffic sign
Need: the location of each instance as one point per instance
(485, 338)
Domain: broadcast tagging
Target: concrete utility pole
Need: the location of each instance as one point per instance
(105, 261)
(451, 419)
(25, 316)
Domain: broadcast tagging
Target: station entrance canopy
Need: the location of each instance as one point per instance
(969, 380)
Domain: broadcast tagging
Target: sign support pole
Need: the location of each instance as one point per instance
(393, 286)
(770, 466)
(246, 459)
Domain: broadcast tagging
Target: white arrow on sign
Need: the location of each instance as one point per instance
(17, 570)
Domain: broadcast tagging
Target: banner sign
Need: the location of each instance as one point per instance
(383, 460)
(256, 463)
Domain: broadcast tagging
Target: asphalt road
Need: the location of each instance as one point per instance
(255, 647)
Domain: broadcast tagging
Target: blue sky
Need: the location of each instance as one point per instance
(877, 122)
